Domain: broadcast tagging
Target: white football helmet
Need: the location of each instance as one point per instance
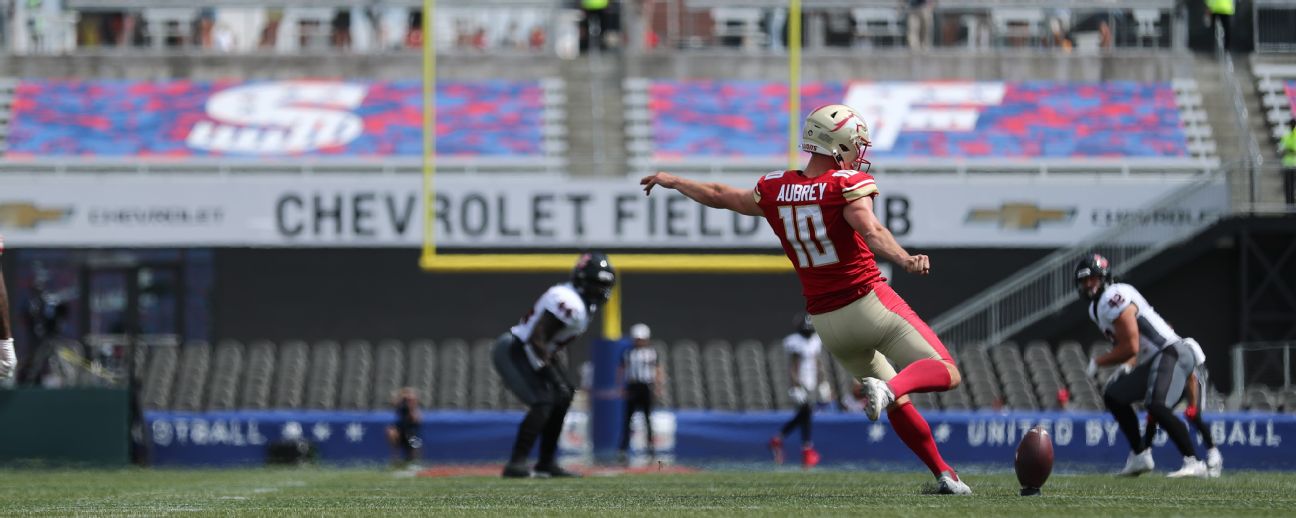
(838, 131)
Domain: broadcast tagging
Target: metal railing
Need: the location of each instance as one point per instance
(1046, 287)
(1247, 144)
(1244, 376)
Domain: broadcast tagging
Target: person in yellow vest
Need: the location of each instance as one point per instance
(1287, 146)
(1220, 18)
(599, 26)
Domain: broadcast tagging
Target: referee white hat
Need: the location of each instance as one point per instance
(640, 332)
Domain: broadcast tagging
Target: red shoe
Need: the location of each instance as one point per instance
(809, 457)
(776, 447)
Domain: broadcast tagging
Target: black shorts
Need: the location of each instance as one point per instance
(521, 378)
(1160, 379)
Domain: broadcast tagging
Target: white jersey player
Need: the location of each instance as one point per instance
(1154, 365)
(803, 349)
(527, 361)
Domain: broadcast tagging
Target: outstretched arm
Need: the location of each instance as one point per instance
(711, 194)
(861, 218)
(8, 360)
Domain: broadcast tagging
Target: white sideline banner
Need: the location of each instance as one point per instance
(518, 211)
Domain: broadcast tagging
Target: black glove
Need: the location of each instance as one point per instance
(554, 377)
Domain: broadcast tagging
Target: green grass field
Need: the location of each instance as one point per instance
(352, 492)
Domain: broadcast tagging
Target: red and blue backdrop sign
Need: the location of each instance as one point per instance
(271, 118)
(930, 119)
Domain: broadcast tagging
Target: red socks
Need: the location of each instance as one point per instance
(916, 434)
(925, 375)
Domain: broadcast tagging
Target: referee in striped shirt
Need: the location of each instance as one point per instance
(643, 378)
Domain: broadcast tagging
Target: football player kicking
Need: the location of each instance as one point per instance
(526, 358)
(1153, 365)
(824, 217)
(8, 361)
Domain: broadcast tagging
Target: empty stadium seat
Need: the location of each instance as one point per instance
(686, 376)
(753, 378)
(778, 375)
(422, 372)
(322, 380)
(226, 375)
(453, 368)
(357, 376)
(258, 374)
(290, 377)
(160, 379)
(718, 368)
(665, 398)
(389, 373)
(486, 383)
(191, 379)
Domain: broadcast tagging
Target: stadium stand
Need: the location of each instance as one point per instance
(483, 125)
(753, 385)
(453, 383)
(455, 375)
(191, 378)
(736, 123)
(322, 381)
(158, 382)
(717, 363)
(290, 377)
(227, 372)
(778, 372)
(686, 375)
(1276, 84)
(421, 374)
(357, 376)
(258, 373)
(388, 373)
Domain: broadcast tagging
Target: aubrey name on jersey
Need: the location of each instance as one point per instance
(1154, 333)
(808, 350)
(564, 303)
(836, 267)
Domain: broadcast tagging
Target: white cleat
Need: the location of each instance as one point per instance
(948, 483)
(879, 397)
(1214, 463)
(1137, 464)
(1192, 467)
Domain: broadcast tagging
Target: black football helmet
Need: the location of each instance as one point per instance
(1094, 265)
(804, 326)
(593, 277)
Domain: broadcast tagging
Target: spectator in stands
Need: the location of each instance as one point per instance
(206, 23)
(414, 35)
(1095, 27)
(803, 349)
(270, 33)
(1287, 146)
(341, 28)
(403, 435)
(1220, 19)
(8, 360)
(643, 378)
(600, 26)
(919, 23)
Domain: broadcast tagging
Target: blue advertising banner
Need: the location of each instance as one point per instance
(1247, 440)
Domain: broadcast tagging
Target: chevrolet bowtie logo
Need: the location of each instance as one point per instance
(1020, 216)
(28, 215)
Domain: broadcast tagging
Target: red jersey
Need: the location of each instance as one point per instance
(836, 267)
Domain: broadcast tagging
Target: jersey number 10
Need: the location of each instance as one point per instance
(805, 231)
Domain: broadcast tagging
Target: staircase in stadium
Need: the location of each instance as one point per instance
(7, 87)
